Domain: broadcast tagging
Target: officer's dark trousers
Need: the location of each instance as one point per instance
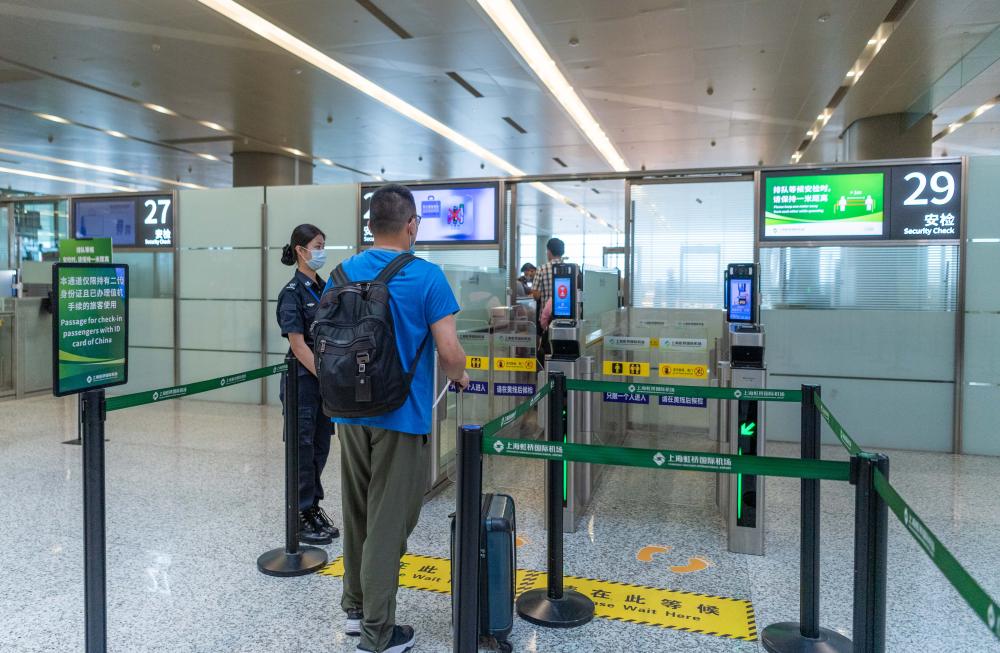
(314, 433)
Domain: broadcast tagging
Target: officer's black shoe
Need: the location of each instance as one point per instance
(310, 534)
(321, 520)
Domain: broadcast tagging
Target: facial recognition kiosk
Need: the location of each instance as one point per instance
(565, 337)
(741, 432)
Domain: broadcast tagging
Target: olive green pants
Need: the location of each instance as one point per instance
(384, 475)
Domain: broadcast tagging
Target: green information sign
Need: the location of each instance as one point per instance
(848, 205)
(92, 250)
(89, 327)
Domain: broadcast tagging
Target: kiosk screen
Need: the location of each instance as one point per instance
(740, 308)
(563, 300)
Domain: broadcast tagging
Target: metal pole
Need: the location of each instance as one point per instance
(871, 527)
(555, 606)
(94, 548)
(465, 603)
(554, 489)
(807, 636)
(293, 559)
(810, 518)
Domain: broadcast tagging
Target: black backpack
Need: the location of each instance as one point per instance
(354, 340)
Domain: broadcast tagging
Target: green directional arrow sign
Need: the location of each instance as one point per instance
(747, 429)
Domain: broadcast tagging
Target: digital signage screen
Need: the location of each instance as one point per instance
(835, 205)
(562, 297)
(740, 296)
(142, 221)
(463, 214)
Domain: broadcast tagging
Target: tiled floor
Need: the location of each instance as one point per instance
(195, 495)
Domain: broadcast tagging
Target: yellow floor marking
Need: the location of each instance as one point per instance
(650, 606)
(521, 541)
(693, 565)
(646, 553)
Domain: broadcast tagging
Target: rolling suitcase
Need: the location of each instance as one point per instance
(497, 562)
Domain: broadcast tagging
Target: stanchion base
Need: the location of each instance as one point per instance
(572, 610)
(78, 441)
(278, 562)
(787, 638)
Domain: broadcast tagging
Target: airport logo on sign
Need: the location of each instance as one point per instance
(156, 395)
(498, 446)
(90, 379)
(737, 393)
(659, 459)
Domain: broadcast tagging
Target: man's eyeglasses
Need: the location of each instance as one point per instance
(418, 218)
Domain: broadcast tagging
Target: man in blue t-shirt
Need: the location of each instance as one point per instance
(385, 460)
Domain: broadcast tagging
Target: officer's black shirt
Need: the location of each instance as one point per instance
(297, 304)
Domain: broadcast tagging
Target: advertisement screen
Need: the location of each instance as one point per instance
(89, 327)
(562, 297)
(457, 213)
(110, 218)
(833, 205)
(135, 221)
(740, 300)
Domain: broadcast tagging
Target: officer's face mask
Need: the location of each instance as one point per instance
(317, 259)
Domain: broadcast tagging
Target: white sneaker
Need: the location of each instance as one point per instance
(401, 641)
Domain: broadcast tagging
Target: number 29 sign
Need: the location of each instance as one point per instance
(926, 202)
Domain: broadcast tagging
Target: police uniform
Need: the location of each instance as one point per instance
(297, 304)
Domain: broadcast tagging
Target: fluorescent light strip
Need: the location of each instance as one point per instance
(967, 118)
(271, 32)
(51, 118)
(158, 108)
(96, 168)
(115, 133)
(68, 180)
(506, 17)
(868, 54)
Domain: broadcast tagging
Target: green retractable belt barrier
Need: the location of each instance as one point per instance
(186, 390)
(985, 607)
(493, 427)
(838, 430)
(696, 461)
(755, 394)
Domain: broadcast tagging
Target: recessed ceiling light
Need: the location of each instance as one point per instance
(116, 134)
(51, 118)
(326, 162)
(212, 125)
(159, 109)
(823, 18)
(872, 41)
(850, 73)
(208, 157)
(519, 33)
(810, 133)
(68, 180)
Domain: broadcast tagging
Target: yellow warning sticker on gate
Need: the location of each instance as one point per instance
(477, 362)
(515, 364)
(625, 368)
(718, 616)
(681, 371)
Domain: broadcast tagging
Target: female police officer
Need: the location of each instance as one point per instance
(297, 306)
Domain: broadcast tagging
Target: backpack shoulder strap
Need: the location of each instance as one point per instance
(339, 276)
(394, 266)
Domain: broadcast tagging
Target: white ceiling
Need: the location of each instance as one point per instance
(643, 67)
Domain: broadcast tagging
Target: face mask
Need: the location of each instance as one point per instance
(318, 259)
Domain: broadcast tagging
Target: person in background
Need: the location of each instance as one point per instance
(525, 280)
(297, 304)
(542, 292)
(555, 249)
(385, 460)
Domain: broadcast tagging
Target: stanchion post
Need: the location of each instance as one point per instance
(94, 545)
(555, 607)
(468, 515)
(293, 559)
(871, 544)
(807, 636)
